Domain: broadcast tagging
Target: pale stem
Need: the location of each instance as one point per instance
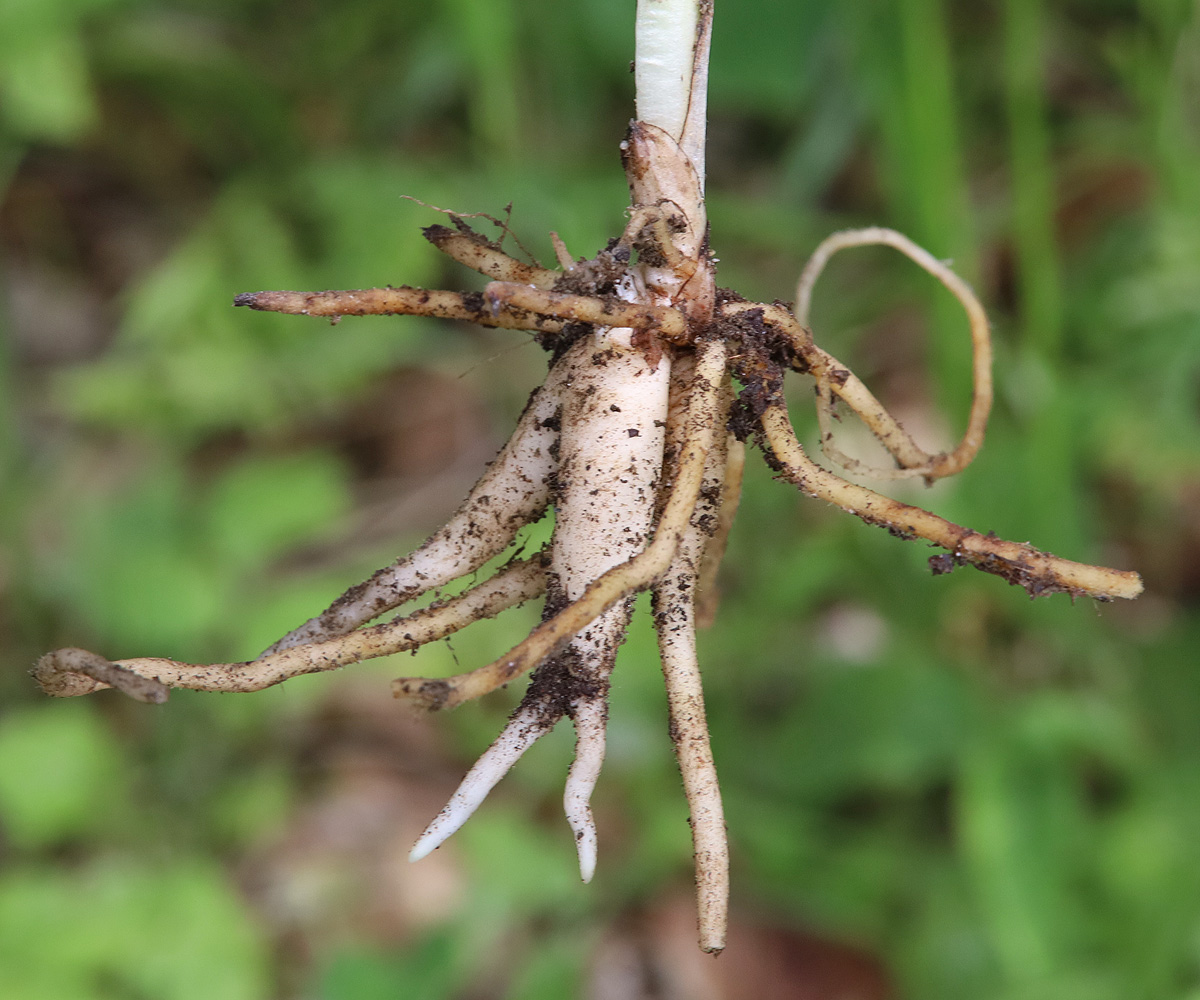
(671, 71)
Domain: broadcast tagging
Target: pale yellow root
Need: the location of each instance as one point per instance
(509, 299)
(981, 403)
(675, 621)
(404, 300)
(71, 672)
(1038, 572)
(844, 384)
(473, 251)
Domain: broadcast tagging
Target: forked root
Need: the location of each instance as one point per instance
(834, 377)
(590, 716)
(627, 578)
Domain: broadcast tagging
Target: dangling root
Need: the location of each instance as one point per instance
(1038, 572)
(674, 620)
(937, 466)
(70, 672)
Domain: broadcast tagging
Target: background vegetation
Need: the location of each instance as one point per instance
(934, 786)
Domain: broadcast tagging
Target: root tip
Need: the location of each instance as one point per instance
(423, 848)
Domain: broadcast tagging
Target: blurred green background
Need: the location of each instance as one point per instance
(934, 787)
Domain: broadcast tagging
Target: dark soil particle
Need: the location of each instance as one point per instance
(434, 694)
(941, 564)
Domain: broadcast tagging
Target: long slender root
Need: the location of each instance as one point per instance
(668, 323)
(513, 492)
(674, 608)
(946, 464)
(70, 672)
(689, 731)
(469, 307)
(1021, 564)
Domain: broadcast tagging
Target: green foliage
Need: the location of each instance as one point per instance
(999, 798)
(430, 969)
(62, 776)
(118, 928)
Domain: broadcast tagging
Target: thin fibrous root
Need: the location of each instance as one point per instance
(513, 492)
(561, 254)
(70, 672)
(1021, 564)
(469, 307)
(842, 382)
(669, 323)
(946, 464)
(631, 576)
(474, 251)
